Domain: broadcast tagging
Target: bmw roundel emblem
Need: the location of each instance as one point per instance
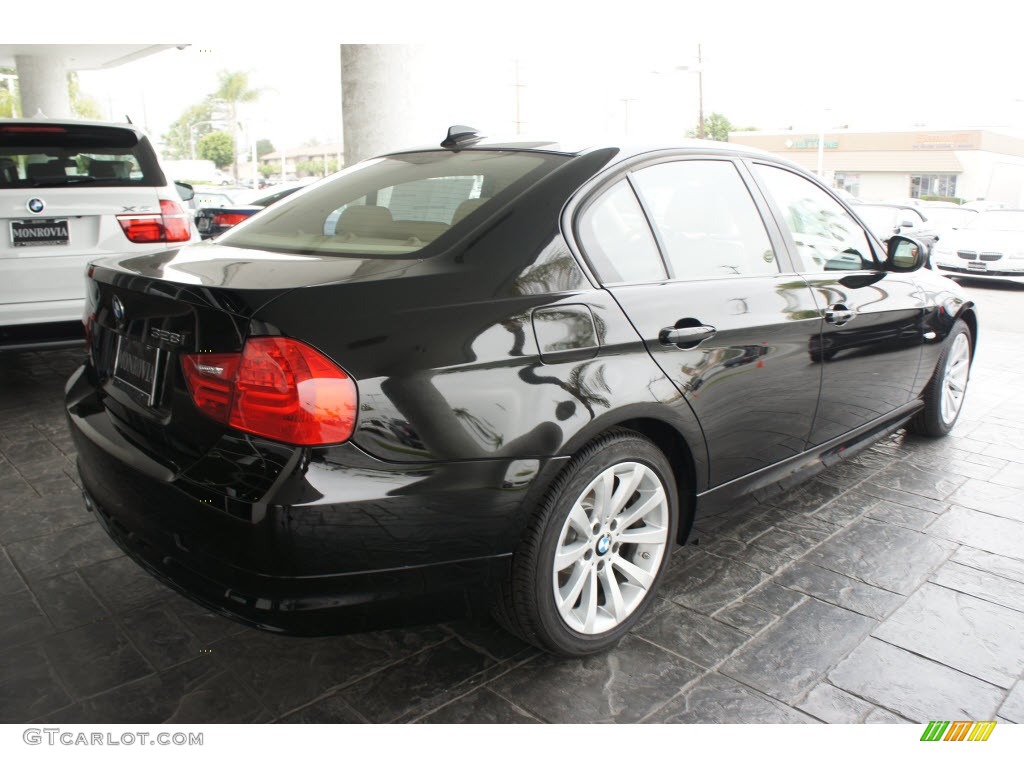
(604, 544)
(118, 308)
(35, 205)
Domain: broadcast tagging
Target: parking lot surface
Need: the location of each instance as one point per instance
(889, 589)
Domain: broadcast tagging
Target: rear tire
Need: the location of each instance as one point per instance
(595, 550)
(944, 395)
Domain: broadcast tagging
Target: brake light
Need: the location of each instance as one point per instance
(229, 219)
(33, 129)
(169, 226)
(277, 388)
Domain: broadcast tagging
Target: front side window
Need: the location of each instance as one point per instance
(826, 236)
(706, 219)
(617, 240)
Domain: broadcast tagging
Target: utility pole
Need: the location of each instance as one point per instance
(518, 85)
(625, 115)
(700, 96)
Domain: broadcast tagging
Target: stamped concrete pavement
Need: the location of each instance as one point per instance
(889, 589)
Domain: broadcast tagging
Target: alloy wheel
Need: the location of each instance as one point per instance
(610, 548)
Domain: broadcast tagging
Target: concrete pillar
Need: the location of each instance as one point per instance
(43, 83)
(378, 100)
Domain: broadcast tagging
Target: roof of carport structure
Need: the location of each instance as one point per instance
(77, 56)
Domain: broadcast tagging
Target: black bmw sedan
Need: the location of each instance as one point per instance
(503, 375)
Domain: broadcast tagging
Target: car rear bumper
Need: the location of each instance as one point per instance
(363, 544)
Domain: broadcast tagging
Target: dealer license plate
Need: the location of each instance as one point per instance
(39, 232)
(137, 369)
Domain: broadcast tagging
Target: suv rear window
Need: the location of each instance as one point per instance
(397, 205)
(41, 155)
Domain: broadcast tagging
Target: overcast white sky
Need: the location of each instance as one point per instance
(770, 64)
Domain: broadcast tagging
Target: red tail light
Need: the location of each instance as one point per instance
(169, 226)
(277, 388)
(229, 219)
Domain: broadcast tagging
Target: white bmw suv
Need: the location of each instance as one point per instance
(70, 192)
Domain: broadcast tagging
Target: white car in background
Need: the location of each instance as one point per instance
(989, 247)
(71, 192)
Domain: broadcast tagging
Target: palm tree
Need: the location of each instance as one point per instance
(233, 90)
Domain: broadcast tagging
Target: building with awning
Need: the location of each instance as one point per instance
(42, 69)
(970, 164)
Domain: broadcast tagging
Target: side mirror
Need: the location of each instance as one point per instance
(907, 224)
(904, 254)
(185, 191)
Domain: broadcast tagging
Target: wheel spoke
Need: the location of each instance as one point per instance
(627, 487)
(572, 589)
(614, 601)
(649, 534)
(578, 519)
(641, 510)
(589, 601)
(568, 554)
(634, 573)
(603, 495)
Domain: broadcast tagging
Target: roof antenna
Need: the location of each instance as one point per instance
(461, 135)
(127, 119)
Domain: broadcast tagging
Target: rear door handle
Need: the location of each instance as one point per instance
(838, 314)
(690, 335)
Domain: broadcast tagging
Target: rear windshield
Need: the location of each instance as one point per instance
(50, 155)
(395, 206)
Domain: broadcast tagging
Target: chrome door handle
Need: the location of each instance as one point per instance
(838, 314)
(690, 335)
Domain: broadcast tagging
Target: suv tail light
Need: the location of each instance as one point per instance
(277, 388)
(171, 225)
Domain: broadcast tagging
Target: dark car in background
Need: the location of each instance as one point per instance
(497, 375)
(212, 220)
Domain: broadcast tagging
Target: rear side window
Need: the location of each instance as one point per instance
(396, 206)
(617, 239)
(48, 155)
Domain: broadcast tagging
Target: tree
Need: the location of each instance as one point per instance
(10, 102)
(264, 147)
(716, 127)
(234, 89)
(193, 124)
(219, 147)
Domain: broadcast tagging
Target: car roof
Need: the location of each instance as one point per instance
(626, 148)
(71, 123)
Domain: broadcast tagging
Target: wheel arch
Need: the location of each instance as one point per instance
(970, 317)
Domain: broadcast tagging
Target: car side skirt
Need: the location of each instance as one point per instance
(780, 477)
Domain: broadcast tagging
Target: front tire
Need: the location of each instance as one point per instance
(944, 395)
(595, 550)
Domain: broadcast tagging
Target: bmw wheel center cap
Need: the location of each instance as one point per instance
(35, 205)
(604, 544)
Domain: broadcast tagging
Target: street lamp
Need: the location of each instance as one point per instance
(698, 69)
